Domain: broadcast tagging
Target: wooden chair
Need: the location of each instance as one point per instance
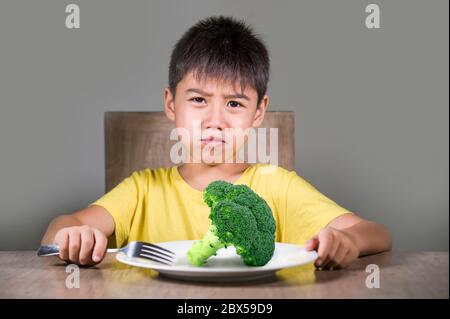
(138, 140)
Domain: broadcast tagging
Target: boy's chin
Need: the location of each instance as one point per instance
(212, 161)
(214, 157)
(207, 163)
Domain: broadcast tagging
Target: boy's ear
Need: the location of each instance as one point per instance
(169, 105)
(261, 111)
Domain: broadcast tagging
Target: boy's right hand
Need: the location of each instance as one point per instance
(82, 245)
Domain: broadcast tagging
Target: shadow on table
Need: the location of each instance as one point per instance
(304, 275)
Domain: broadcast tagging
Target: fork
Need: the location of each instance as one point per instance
(133, 249)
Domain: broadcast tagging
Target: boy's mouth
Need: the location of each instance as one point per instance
(212, 141)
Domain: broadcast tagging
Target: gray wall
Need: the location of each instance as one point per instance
(371, 105)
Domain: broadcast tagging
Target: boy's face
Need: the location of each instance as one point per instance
(213, 117)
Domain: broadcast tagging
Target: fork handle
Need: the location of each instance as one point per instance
(53, 250)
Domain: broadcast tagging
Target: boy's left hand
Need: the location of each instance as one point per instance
(335, 248)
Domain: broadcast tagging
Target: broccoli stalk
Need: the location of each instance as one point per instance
(205, 248)
(239, 218)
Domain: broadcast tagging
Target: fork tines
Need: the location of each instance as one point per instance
(156, 253)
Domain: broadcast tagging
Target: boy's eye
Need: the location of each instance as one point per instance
(197, 99)
(234, 104)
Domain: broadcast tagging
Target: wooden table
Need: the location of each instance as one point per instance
(402, 275)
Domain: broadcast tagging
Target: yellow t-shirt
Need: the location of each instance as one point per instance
(158, 205)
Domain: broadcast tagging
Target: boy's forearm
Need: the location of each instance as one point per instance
(370, 237)
(56, 224)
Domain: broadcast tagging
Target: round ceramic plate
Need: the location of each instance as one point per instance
(226, 266)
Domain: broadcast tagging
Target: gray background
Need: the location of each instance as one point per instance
(371, 105)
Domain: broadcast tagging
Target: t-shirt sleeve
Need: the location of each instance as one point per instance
(306, 210)
(122, 202)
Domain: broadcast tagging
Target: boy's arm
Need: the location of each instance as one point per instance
(81, 236)
(346, 238)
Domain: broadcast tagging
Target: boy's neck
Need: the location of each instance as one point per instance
(199, 175)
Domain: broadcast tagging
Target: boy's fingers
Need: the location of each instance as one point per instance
(341, 264)
(340, 255)
(336, 245)
(332, 266)
(312, 244)
(62, 240)
(99, 247)
(87, 242)
(325, 244)
(74, 246)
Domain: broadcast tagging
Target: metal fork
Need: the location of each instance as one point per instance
(133, 249)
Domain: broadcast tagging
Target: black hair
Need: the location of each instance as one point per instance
(221, 48)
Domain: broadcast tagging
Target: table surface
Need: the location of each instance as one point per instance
(402, 275)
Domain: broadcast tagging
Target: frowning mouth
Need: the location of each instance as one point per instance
(212, 141)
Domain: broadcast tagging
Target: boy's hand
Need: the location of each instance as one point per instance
(83, 245)
(335, 248)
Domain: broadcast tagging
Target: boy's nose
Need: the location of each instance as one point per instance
(215, 119)
(215, 125)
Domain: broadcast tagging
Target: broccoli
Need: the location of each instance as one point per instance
(240, 218)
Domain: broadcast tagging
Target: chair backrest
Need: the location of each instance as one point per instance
(138, 140)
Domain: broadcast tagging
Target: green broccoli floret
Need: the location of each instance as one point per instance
(239, 218)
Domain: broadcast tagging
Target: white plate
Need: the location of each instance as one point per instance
(226, 266)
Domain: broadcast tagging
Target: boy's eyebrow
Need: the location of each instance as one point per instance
(228, 96)
(198, 91)
(237, 96)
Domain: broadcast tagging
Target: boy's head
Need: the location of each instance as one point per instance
(218, 75)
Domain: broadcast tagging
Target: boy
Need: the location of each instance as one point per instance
(218, 75)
